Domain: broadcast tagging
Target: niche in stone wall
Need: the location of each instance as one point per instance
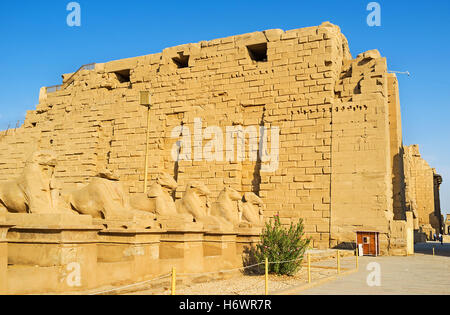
(123, 76)
(181, 61)
(258, 52)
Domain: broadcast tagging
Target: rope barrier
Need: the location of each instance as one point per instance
(220, 271)
(181, 275)
(284, 262)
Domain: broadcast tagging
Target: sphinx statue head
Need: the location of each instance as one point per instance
(252, 210)
(226, 208)
(109, 174)
(167, 181)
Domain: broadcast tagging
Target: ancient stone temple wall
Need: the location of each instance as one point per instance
(422, 192)
(327, 126)
(439, 222)
(361, 166)
(396, 148)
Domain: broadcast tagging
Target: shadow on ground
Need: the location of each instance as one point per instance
(427, 249)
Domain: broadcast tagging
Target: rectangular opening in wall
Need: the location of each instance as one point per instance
(181, 61)
(123, 75)
(258, 52)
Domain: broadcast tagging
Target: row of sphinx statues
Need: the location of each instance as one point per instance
(37, 191)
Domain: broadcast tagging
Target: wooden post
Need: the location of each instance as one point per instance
(174, 280)
(267, 277)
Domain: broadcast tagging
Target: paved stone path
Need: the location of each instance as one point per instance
(420, 274)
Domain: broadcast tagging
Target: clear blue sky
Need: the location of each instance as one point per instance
(37, 47)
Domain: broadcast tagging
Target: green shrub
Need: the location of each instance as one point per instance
(279, 244)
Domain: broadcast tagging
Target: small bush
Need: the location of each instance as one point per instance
(282, 245)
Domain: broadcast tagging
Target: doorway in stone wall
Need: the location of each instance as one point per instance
(369, 241)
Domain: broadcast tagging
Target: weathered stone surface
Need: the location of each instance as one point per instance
(226, 207)
(50, 253)
(4, 226)
(252, 210)
(340, 156)
(194, 203)
(159, 200)
(422, 193)
(104, 198)
(35, 190)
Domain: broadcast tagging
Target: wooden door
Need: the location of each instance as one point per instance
(369, 243)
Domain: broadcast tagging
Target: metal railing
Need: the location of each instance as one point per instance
(56, 88)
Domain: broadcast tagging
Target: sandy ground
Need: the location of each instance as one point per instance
(241, 284)
(323, 262)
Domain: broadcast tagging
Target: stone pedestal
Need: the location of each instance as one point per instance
(51, 253)
(128, 255)
(246, 240)
(182, 247)
(171, 222)
(135, 223)
(220, 251)
(247, 237)
(3, 256)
